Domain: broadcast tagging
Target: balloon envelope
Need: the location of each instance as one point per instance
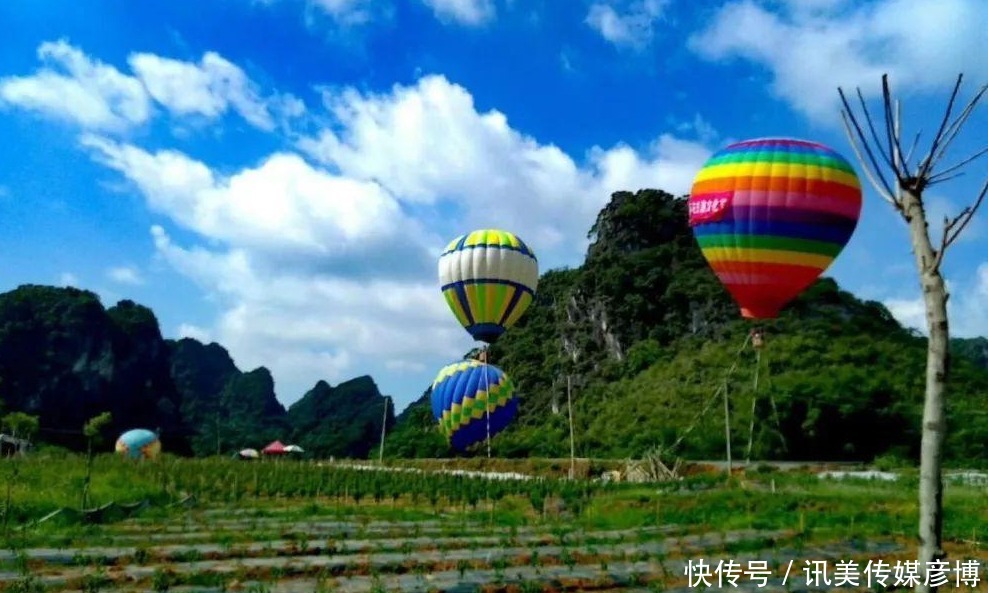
(138, 444)
(770, 215)
(459, 400)
(488, 278)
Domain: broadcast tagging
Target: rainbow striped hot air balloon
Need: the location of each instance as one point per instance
(138, 444)
(770, 215)
(488, 278)
(460, 396)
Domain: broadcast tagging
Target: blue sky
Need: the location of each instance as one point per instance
(280, 175)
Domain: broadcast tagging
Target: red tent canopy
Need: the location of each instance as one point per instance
(275, 448)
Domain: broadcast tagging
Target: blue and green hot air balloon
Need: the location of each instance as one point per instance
(488, 278)
(139, 444)
(472, 400)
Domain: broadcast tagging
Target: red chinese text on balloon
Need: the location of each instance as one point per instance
(710, 207)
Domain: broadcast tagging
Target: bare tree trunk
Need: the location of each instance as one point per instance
(937, 367)
(907, 198)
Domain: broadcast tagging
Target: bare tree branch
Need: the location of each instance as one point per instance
(927, 162)
(944, 179)
(896, 133)
(946, 172)
(883, 188)
(874, 173)
(892, 129)
(953, 228)
(912, 149)
(887, 157)
(954, 129)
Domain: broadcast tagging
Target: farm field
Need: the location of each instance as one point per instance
(218, 525)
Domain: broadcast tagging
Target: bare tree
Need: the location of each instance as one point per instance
(880, 155)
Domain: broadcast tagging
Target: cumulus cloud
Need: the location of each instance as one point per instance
(95, 96)
(626, 24)
(811, 48)
(305, 327)
(284, 208)
(75, 88)
(465, 12)
(967, 308)
(125, 275)
(188, 330)
(324, 269)
(428, 144)
(208, 88)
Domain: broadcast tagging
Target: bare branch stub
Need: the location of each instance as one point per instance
(964, 218)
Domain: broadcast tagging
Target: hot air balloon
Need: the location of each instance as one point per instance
(770, 215)
(139, 444)
(488, 278)
(460, 402)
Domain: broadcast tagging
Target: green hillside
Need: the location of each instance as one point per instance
(643, 330)
(647, 334)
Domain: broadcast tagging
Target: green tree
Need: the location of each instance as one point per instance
(93, 430)
(20, 425)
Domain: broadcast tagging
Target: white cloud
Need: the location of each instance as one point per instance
(208, 88)
(348, 12)
(125, 275)
(909, 312)
(305, 327)
(73, 87)
(466, 12)
(811, 49)
(429, 145)
(188, 330)
(967, 308)
(101, 98)
(283, 208)
(700, 127)
(630, 25)
(68, 279)
(324, 272)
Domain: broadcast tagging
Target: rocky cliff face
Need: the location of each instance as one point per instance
(65, 358)
(973, 349)
(646, 333)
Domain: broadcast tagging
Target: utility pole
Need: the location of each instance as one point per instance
(572, 446)
(384, 425)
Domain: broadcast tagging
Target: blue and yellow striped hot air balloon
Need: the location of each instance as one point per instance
(139, 444)
(460, 396)
(488, 278)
